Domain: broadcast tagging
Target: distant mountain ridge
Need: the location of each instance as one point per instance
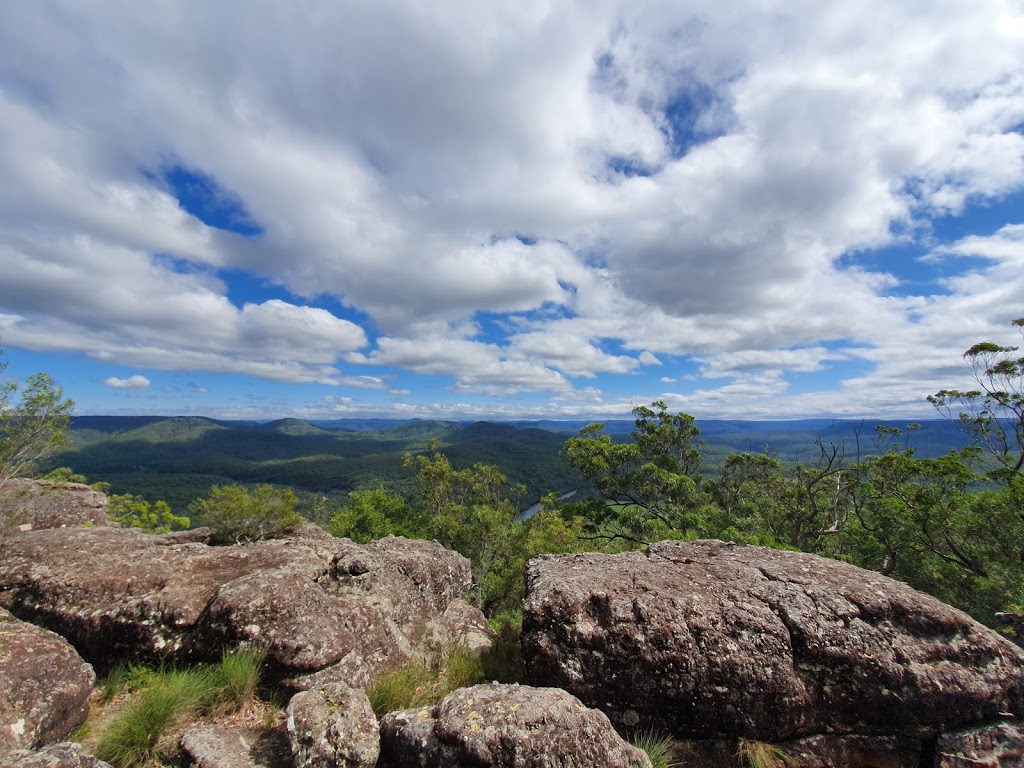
(178, 459)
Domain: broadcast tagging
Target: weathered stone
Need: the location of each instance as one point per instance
(854, 751)
(998, 745)
(44, 686)
(63, 755)
(710, 640)
(27, 505)
(333, 725)
(220, 746)
(505, 726)
(312, 601)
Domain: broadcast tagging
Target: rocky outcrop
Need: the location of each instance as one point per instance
(44, 686)
(221, 746)
(27, 505)
(505, 726)
(994, 746)
(63, 755)
(711, 640)
(324, 608)
(333, 726)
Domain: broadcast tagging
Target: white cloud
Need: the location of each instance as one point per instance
(437, 170)
(132, 382)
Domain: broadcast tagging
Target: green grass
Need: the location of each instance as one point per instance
(503, 661)
(168, 695)
(658, 748)
(760, 754)
(416, 685)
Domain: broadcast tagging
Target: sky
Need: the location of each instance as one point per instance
(322, 209)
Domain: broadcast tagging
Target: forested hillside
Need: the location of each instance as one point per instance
(179, 459)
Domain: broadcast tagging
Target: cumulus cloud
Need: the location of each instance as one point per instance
(132, 382)
(610, 186)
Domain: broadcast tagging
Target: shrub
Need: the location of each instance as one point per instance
(236, 515)
(503, 661)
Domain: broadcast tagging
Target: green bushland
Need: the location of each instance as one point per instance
(237, 515)
(165, 696)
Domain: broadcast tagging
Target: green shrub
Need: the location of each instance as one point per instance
(658, 748)
(235, 515)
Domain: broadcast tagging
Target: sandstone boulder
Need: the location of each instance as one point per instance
(333, 726)
(505, 726)
(63, 755)
(710, 640)
(33, 504)
(221, 746)
(1000, 745)
(322, 607)
(44, 686)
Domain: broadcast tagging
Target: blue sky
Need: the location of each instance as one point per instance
(529, 210)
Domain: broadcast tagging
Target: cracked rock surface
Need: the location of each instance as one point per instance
(706, 639)
(323, 608)
(505, 726)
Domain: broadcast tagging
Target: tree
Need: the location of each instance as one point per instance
(651, 481)
(472, 512)
(235, 515)
(32, 426)
(374, 514)
(135, 512)
(993, 416)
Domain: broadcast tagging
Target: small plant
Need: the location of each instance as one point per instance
(658, 748)
(400, 688)
(236, 679)
(131, 740)
(237, 515)
(416, 685)
(166, 696)
(760, 754)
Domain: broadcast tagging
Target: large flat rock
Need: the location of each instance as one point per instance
(711, 640)
(320, 606)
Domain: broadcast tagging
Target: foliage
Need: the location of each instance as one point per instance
(236, 515)
(652, 479)
(374, 514)
(136, 512)
(167, 695)
(414, 684)
(658, 748)
(993, 416)
(33, 423)
(470, 511)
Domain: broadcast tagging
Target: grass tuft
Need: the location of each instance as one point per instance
(416, 685)
(236, 678)
(400, 688)
(169, 695)
(760, 754)
(658, 748)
